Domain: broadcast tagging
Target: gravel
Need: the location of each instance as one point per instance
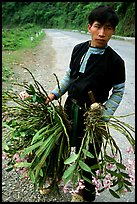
(15, 189)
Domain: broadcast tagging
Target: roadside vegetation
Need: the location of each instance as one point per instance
(66, 15)
(15, 41)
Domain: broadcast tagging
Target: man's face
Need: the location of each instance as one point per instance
(100, 34)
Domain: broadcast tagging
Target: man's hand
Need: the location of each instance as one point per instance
(50, 97)
(23, 95)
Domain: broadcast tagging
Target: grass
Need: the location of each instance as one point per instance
(15, 42)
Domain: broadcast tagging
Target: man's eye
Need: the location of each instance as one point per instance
(97, 26)
(110, 28)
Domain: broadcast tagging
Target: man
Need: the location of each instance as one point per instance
(95, 67)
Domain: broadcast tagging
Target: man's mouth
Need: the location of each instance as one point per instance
(100, 40)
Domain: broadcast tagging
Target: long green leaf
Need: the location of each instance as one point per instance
(7, 126)
(121, 166)
(118, 175)
(45, 144)
(71, 159)
(114, 194)
(29, 149)
(69, 171)
(87, 179)
(38, 134)
(32, 176)
(126, 175)
(68, 179)
(45, 154)
(84, 166)
(128, 188)
(128, 183)
(87, 153)
(22, 164)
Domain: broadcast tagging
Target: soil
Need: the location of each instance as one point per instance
(43, 62)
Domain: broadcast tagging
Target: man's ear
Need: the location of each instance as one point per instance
(89, 27)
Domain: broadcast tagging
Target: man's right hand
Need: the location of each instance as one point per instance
(50, 98)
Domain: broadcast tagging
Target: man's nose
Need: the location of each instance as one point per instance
(102, 32)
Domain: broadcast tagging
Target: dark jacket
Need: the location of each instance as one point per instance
(102, 72)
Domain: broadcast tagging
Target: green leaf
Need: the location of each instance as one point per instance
(38, 135)
(118, 175)
(128, 183)
(34, 98)
(87, 179)
(29, 149)
(22, 134)
(67, 179)
(16, 134)
(46, 146)
(41, 173)
(95, 166)
(40, 164)
(35, 162)
(120, 185)
(127, 187)
(87, 153)
(31, 89)
(9, 168)
(84, 166)
(110, 158)
(22, 164)
(4, 146)
(69, 171)
(126, 175)
(32, 176)
(114, 193)
(121, 166)
(71, 159)
(7, 126)
(69, 174)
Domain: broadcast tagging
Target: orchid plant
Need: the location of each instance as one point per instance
(36, 144)
(111, 173)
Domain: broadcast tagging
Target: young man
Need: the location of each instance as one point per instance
(95, 67)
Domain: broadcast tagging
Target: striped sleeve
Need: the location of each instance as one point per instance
(63, 84)
(114, 100)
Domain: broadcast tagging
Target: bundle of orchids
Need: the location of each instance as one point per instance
(36, 144)
(110, 172)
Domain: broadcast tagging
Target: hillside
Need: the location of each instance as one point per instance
(65, 15)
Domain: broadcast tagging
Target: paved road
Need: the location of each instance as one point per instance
(62, 43)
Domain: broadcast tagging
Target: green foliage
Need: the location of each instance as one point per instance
(96, 128)
(66, 15)
(37, 133)
(20, 37)
(127, 20)
(17, 38)
(6, 73)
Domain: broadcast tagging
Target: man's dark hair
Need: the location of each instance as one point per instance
(103, 14)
